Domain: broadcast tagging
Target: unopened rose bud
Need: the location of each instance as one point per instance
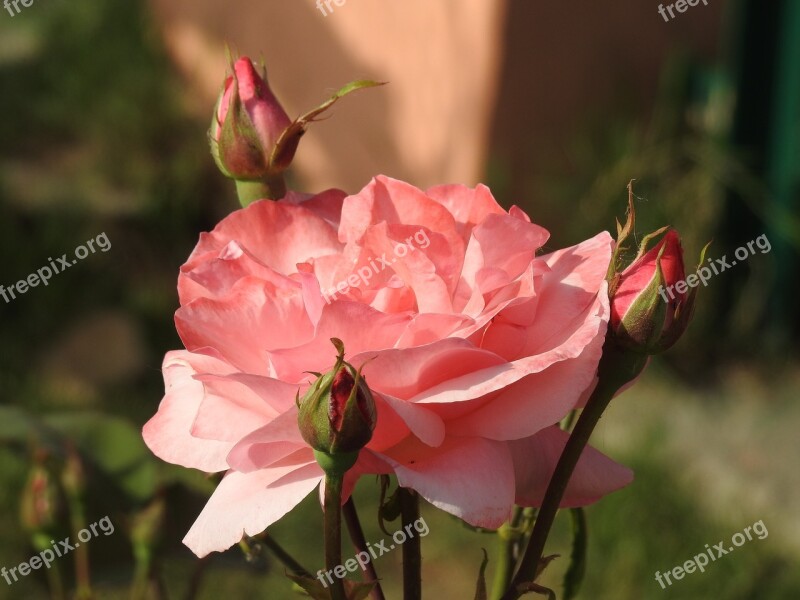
(247, 124)
(40, 497)
(648, 313)
(337, 414)
(253, 141)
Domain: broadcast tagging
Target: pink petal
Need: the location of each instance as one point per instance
(234, 405)
(471, 478)
(575, 279)
(218, 272)
(482, 382)
(248, 503)
(406, 372)
(360, 327)
(395, 202)
(168, 432)
(278, 234)
(250, 320)
(544, 397)
(469, 207)
(535, 459)
(268, 444)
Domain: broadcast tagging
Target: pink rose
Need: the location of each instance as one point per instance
(476, 347)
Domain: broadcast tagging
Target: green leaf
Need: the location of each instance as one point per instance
(19, 427)
(577, 565)
(480, 591)
(114, 446)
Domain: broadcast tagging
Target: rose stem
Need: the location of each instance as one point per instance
(617, 367)
(333, 531)
(508, 537)
(412, 548)
(360, 544)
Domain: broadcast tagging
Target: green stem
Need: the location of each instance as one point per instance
(269, 188)
(40, 542)
(617, 367)
(360, 544)
(73, 484)
(142, 570)
(508, 537)
(412, 548)
(333, 531)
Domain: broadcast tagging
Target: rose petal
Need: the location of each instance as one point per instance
(535, 460)
(242, 504)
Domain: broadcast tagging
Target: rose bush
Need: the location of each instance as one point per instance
(474, 347)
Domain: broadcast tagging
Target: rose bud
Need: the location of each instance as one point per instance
(649, 312)
(247, 124)
(337, 414)
(40, 497)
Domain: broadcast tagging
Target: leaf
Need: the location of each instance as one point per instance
(19, 427)
(480, 591)
(114, 446)
(577, 565)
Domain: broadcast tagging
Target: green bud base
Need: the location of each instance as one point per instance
(336, 464)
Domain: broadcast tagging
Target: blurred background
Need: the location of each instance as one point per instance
(555, 105)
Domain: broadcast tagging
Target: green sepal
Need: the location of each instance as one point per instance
(480, 591)
(239, 148)
(642, 324)
(336, 464)
(283, 152)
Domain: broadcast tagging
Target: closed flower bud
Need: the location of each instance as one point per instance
(247, 124)
(648, 313)
(40, 497)
(337, 414)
